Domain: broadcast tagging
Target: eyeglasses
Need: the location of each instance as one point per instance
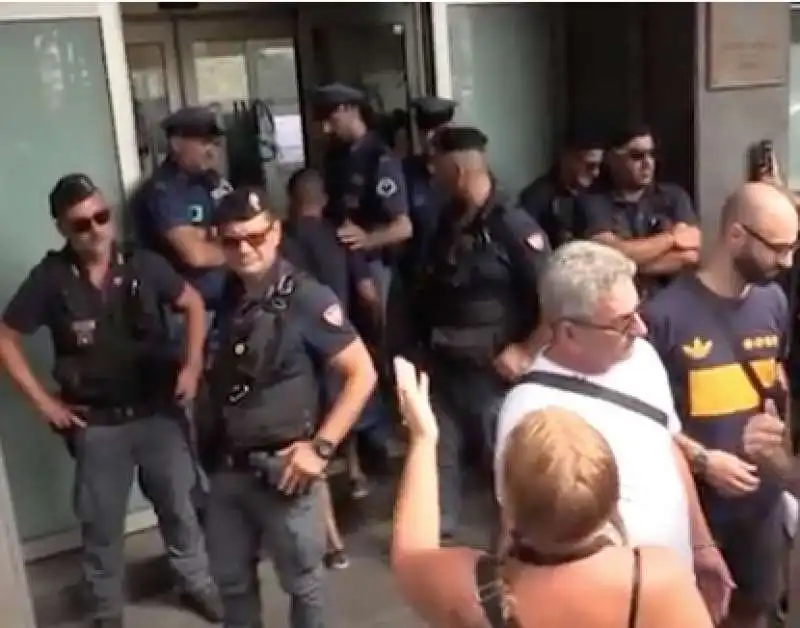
(83, 225)
(624, 325)
(779, 248)
(255, 239)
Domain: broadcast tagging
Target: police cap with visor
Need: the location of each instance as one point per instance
(193, 122)
(431, 112)
(327, 98)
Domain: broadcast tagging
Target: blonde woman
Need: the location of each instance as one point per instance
(567, 565)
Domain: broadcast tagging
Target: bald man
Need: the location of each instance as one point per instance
(720, 332)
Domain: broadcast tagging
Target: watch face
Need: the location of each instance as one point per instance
(323, 448)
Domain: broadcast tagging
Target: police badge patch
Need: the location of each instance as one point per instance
(386, 187)
(535, 241)
(333, 315)
(195, 213)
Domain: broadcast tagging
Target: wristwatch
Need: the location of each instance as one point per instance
(699, 461)
(323, 448)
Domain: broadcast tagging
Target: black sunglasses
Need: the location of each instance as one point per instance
(83, 225)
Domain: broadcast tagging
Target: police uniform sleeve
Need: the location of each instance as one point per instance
(29, 308)
(323, 325)
(682, 210)
(529, 248)
(390, 186)
(358, 269)
(167, 209)
(597, 214)
(160, 274)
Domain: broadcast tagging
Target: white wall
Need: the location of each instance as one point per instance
(727, 122)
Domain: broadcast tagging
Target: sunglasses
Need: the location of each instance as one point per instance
(83, 225)
(255, 239)
(636, 154)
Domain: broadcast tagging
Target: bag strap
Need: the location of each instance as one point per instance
(590, 389)
(489, 590)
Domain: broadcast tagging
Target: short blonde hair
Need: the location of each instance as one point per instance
(560, 480)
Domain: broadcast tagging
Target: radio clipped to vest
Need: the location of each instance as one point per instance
(263, 386)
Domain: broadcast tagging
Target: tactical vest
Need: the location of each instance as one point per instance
(264, 388)
(468, 293)
(109, 356)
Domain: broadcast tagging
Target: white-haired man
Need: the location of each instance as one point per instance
(598, 365)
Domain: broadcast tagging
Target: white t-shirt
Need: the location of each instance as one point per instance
(653, 503)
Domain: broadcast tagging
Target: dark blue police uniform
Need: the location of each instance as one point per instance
(478, 295)
(264, 386)
(555, 208)
(110, 364)
(173, 198)
(662, 206)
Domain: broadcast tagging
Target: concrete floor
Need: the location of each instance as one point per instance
(362, 596)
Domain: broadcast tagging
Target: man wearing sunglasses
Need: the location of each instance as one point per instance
(551, 199)
(118, 389)
(721, 332)
(279, 331)
(653, 223)
(172, 211)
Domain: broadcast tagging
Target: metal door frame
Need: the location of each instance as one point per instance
(162, 33)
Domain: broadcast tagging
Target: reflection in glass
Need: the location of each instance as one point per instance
(147, 70)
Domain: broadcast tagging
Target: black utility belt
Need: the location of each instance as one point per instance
(242, 460)
(115, 415)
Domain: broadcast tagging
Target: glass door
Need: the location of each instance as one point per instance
(376, 47)
(247, 71)
(150, 49)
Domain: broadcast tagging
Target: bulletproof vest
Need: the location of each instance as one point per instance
(109, 352)
(264, 387)
(469, 297)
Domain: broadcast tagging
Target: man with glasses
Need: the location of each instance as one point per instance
(653, 223)
(720, 332)
(118, 390)
(551, 199)
(589, 300)
(271, 442)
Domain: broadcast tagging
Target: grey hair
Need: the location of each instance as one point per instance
(578, 276)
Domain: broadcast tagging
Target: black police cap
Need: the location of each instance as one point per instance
(432, 112)
(68, 191)
(625, 131)
(451, 139)
(326, 98)
(242, 204)
(585, 136)
(194, 122)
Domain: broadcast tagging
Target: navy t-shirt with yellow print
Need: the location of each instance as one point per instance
(713, 395)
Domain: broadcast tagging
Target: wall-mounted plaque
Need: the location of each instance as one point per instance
(747, 44)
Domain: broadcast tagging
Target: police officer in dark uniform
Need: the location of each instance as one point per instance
(653, 223)
(279, 329)
(364, 181)
(369, 204)
(477, 306)
(551, 199)
(117, 389)
(424, 200)
(172, 210)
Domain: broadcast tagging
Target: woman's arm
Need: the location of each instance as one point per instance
(436, 582)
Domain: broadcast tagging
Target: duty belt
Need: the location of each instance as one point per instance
(243, 460)
(115, 415)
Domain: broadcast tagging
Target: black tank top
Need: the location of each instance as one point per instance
(490, 591)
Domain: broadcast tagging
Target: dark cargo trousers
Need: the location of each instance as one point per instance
(106, 459)
(245, 516)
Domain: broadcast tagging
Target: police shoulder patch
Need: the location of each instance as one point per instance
(333, 315)
(386, 187)
(535, 241)
(195, 213)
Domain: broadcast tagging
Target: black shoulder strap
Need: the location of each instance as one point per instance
(489, 587)
(636, 588)
(590, 389)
